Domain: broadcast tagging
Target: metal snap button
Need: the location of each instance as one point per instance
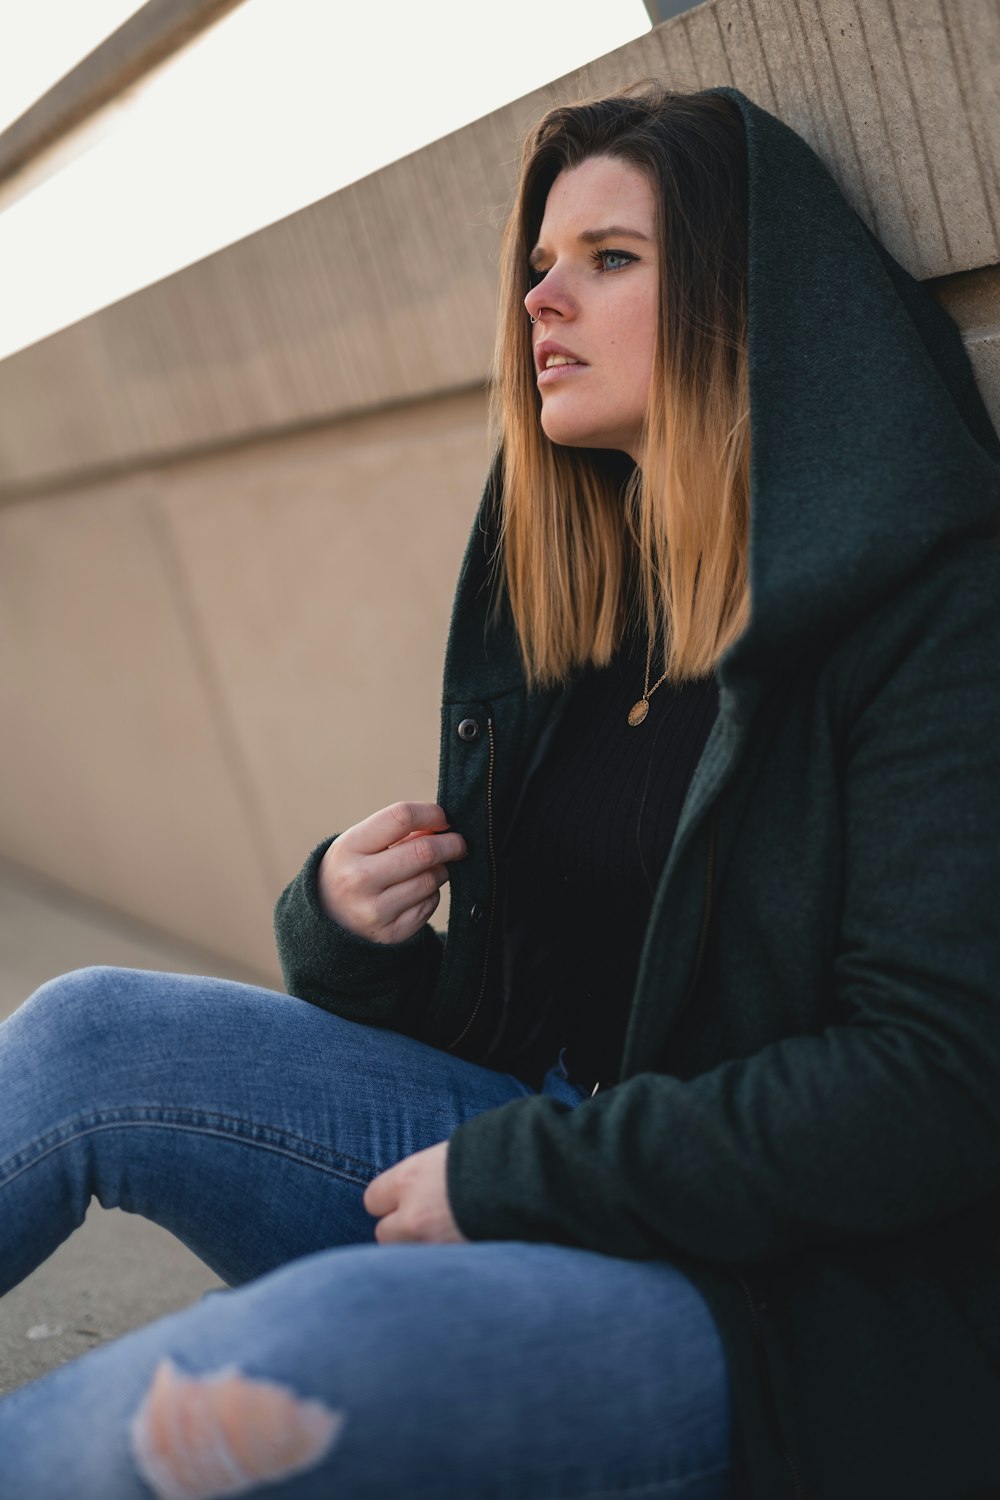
(477, 912)
(468, 729)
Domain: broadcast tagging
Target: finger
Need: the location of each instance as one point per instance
(410, 864)
(396, 900)
(371, 923)
(392, 824)
(385, 1230)
(379, 1196)
(416, 834)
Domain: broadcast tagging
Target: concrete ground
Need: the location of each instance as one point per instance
(117, 1271)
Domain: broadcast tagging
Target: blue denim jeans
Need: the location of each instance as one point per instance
(249, 1123)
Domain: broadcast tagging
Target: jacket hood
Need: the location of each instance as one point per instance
(870, 442)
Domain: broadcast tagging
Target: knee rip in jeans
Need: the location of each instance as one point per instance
(198, 1437)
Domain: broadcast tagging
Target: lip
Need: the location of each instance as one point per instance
(545, 347)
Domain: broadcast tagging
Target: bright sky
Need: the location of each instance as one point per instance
(279, 104)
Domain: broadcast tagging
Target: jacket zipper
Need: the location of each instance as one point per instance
(798, 1492)
(493, 888)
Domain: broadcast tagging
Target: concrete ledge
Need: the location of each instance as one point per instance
(154, 33)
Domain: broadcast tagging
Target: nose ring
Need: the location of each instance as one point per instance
(531, 319)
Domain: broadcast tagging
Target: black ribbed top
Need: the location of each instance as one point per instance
(580, 865)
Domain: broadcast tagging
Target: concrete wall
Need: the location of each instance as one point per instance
(206, 667)
(233, 506)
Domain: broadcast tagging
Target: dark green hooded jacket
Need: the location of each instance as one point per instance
(808, 1117)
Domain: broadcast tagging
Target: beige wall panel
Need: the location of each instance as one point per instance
(951, 116)
(746, 48)
(116, 779)
(321, 571)
(873, 122)
(976, 53)
(705, 39)
(384, 292)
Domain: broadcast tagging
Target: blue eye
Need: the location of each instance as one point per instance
(605, 259)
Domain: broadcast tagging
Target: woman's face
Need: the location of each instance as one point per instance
(594, 293)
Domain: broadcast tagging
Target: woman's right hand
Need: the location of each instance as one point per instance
(381, 878)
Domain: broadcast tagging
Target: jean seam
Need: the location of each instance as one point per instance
(220, 1126)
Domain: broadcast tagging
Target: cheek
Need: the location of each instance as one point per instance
(633, 336)
(643, 336)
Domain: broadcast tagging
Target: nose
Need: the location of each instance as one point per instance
(550, 297)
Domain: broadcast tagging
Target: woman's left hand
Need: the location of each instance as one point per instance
(410, 1200)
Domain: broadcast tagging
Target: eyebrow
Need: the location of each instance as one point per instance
(596, 237)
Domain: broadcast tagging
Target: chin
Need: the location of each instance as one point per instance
(587, 442)
(560, 428)
(573, 435)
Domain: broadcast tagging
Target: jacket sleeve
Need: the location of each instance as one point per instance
(379, 984)
(882, 1122)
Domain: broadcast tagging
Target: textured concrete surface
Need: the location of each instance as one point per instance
(117, 1271)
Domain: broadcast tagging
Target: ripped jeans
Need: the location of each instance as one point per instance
(249, 1124)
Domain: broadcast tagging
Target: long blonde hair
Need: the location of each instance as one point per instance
(574, 524)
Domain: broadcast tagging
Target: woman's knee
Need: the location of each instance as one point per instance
(76, 990)
(84, 997)
(73, 1024)
(67, 1001)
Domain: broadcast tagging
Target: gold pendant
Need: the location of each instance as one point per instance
(638, 711)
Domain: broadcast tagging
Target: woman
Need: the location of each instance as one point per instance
(675, 1170)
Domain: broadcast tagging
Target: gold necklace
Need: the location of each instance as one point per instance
(639, 710)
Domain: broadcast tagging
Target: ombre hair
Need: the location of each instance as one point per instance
(586, 539)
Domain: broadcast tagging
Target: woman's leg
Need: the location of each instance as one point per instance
(498, 1370)
(246, 1122)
